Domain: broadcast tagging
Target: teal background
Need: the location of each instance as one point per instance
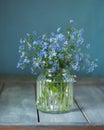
(17, 17)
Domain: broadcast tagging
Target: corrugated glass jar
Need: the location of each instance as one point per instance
(54, 92)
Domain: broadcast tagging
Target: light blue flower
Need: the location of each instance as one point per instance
(74, 33)
(45, 44)
(44, 36)
(71, 21)
(66, 42)
(53, 69)
(55, 64)
(50, 62)
(22, 54)
(35, 43)
(20, 65)
(52, 34)
(51, 39)
(87, 62)
(60, 56)
(60, 37)
(72, 37)
(58, 30)
(54, 50)
(26, 60)
(77, 58)
(29, 45)
(53, 53)
(21, 41)
(74, 66)
(35, 64)
(92, 67)
(80, 41)
(40, 53)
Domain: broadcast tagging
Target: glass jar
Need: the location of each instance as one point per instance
(54, 92)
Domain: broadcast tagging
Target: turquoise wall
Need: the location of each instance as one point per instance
(17, 17)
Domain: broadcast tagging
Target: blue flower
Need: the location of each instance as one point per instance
(54, 53)
(74, 33)
(50, 62)
(22, 54)
(87, 62)
(35, 43)
(77, 58)
(29, 45)
(26, 60)
(58, 30)
(51, 39)
(80, 41)
(52, 34)
(44, 36)
(66, 42)
(60, 37)
(92, 66)
(74, 66)
(35, 64)
(60, 56)
(42, 53)
(56, 65)
(71, 21)
(21, 41)
(45, 44)
(53, 69)
(54, 50)
(20, 65)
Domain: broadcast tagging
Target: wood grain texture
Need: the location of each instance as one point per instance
(18, 111)
(71, 118)
(91, 100)
(17, 78)
(32, 79)
(70, 128)
(17, 128)
(51, 128)
(17, 105)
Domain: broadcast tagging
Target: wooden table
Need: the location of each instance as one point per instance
(18, 110)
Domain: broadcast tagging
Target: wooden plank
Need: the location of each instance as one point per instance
(17, 128)
(52, 128)
(89, 81)
(32, 79)
(17, 105)
(17, 78)
(91, 100)
(73, 117)
(70, 128)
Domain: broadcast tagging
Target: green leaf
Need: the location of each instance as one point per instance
(72, 47)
